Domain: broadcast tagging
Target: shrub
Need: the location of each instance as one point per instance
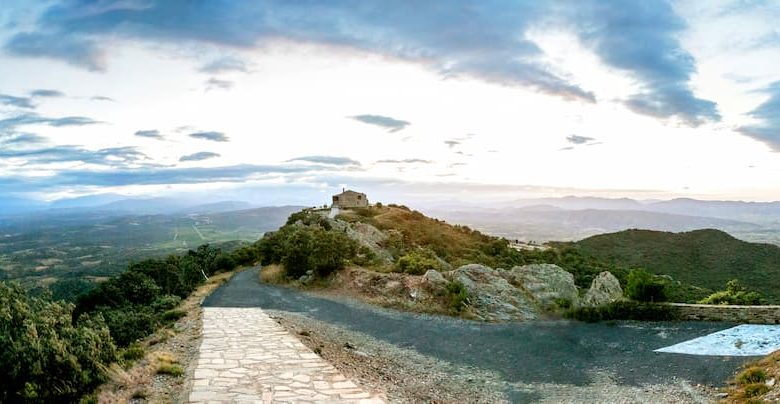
(623, 310)
(457, 296)
(166, 302)
(751, 375)
(170, 369)
(735, 293)
(45, 356)
(172, 315)
(418, 262)
(133, 353)
(756, 389)
(643, 287)
(307, 248)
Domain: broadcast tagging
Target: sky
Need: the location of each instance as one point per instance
(290, 101)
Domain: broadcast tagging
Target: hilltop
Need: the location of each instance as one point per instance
(706, 258)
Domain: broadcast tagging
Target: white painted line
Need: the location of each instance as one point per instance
(742, 340)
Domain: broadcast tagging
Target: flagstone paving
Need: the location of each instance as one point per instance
(247, 357)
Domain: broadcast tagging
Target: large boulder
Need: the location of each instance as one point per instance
(491, 297)
(434, 281)
(604, 289)
(547, 284)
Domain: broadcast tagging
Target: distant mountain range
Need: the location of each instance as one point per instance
(573, 218)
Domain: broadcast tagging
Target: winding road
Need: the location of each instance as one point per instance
(558, 352)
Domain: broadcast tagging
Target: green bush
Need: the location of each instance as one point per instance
(457, 296)
(623, 310)
(164, 303)
(307, 248)
(133, 353)
(45, 357)
(172, 315)
(735, 293)
(418, 262)
(643, 287)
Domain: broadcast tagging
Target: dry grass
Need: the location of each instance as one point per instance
(757, 382)
(160, 358)
(273, 274)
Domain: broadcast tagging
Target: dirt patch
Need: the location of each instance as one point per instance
(154, 378)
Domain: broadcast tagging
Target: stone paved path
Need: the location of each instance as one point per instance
(247, 357)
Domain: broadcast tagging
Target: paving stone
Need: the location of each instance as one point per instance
(245, 356)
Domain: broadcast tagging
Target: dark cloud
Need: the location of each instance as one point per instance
(392, 124)
(150, 176)
(483, 39)
(212, 136)
(768, 115)
(405, 161)
(214, 83)
(18, 102)
(113, 157)
(451, 143)
(641, 38)
(152, 134)
(332, 160)
(225, 65)
(46, 93)
(101, 98)
(9, 124)
(199, 156)
(577, 139)
(73, 49)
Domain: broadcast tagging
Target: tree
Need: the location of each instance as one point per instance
(642, 286)
(735, 293)
(45, 357)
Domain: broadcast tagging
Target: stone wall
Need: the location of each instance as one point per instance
(729, 313)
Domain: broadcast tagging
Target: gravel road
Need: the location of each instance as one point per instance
(523, 354)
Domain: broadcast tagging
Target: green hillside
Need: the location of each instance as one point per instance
(705, 258)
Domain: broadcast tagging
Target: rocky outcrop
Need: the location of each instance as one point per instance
(434, 281)
(549, 285)
(604, 289)
(491, 297)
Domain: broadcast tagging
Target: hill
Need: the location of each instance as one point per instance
(706, 258)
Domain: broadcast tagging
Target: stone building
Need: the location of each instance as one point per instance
(350, 199)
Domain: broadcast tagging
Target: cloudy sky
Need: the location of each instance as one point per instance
(492, 98)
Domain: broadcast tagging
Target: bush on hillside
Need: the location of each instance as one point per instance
(45, 357)
(735, 293)
(418, 262)
(307, 248)
(134, 303)
(643, 287)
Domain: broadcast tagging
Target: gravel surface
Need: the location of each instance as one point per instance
(534, 361)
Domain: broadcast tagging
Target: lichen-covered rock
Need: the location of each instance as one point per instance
(491, 297)
(604, 289)
(548, 284)
(434, 281)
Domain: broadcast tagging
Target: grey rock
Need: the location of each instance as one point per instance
(546, 283)
(434, 281)
(604, 289)
(491, 297)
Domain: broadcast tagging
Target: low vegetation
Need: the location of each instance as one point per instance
(756, 381)
(55, 351)
(735, 293)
